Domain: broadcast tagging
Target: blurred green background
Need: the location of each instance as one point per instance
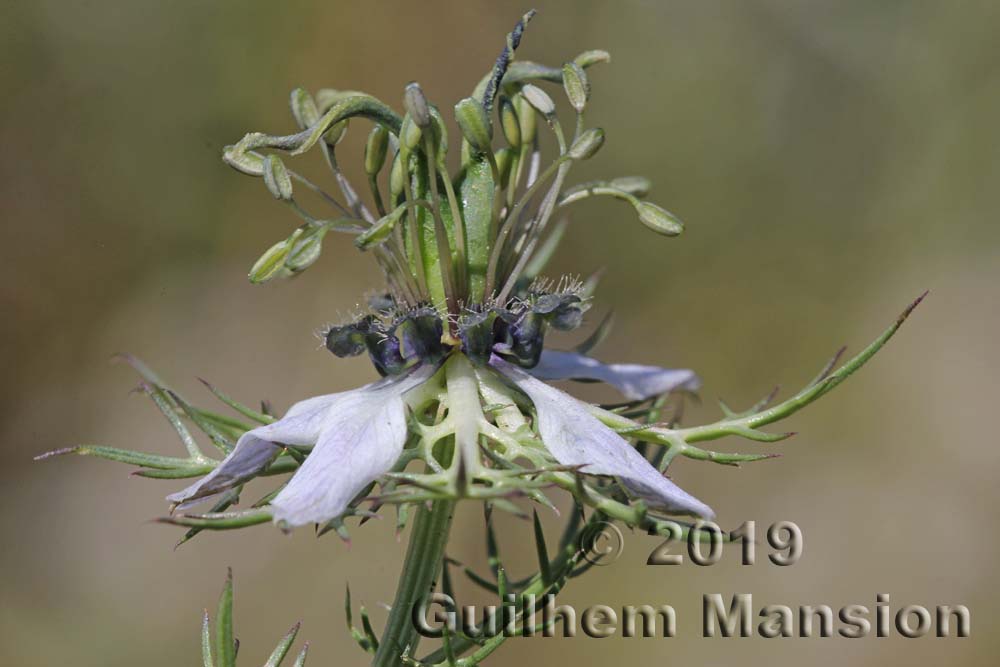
(832, 160)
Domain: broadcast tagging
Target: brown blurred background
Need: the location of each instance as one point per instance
(832, 161)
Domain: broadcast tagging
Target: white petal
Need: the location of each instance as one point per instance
(256, 448)
(575, 437)
(634, 381)
(362, 437)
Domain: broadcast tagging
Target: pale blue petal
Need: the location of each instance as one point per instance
(361, 438)
(576, 437)
(634, 381)
(257, 448)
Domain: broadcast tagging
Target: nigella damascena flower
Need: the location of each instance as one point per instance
(356, 437)
(461, 334)
(461, 338)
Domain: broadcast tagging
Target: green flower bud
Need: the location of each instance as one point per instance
(658, 219)
(637, 186)
(396, 176)
(587, 144)
(276, 178)
(306, 249)
(474, 124)
(504, 158)
(576, 85)
(380, 231)
(410, 133)
(375, 149)
(588, 58)
(415, 104)
(303, 108)
(539, 99)
(439, 135)
(526, 119)
(248, 163)
(333, 136)
(509, 123)
(272, 263)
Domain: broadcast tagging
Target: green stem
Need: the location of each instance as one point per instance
(424, 555)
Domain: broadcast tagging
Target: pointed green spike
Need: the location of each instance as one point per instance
(366, 624)
(446, 584)
(598, 335)
(545, 251)
(724, 457)
(162, 402)
(281, 650)
(492, 547)
(480, 580)
(230, 427)
(206, 641)
(830, 365)
(175, 473)
(225, 649)
(220, 521)
(228, 498)
(221, 442)
(247, 412)
(133, 458)
(359, 638)
(141, 368)
(300, 661)
(449, 647)
(541, 550)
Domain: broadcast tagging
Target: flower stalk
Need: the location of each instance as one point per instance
(421, 566)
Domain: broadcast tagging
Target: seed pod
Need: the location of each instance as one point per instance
(576, 85)
(509, 123)
(276, 178)
(539, 99)
(375, 149)
(587, 144)
(303, 108)
(658, 219)
(474, 124)
(415, 104)
(526, 119)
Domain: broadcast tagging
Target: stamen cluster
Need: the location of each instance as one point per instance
(398, 339)
(459, 243)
